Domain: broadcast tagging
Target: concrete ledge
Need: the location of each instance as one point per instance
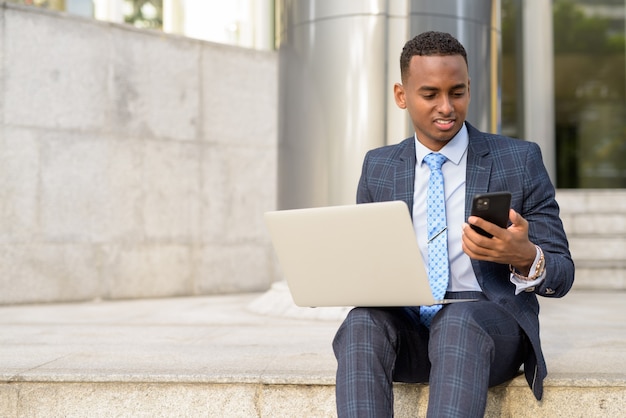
(213, 356)
(178, 399)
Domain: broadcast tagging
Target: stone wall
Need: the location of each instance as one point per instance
(133, 163)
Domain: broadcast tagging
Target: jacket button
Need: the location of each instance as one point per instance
(529, 289)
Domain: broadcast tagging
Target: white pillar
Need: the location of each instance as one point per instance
(538, 70)
(173, 17)
(398, 32)
(262, 20)
(108, 10)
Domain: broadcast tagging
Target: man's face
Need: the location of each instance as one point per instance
(436, 94)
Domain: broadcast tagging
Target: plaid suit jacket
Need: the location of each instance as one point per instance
(495, 163)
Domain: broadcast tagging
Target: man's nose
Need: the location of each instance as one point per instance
(445, 105)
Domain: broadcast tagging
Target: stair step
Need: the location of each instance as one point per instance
(601, 249)
(591, 201)
(215, 356)
(177, 399)
(600, 278)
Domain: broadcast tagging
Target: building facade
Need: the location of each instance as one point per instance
(562, 70)
(139, 164)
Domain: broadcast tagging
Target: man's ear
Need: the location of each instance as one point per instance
(398, 94)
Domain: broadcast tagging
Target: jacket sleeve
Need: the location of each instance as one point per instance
(545, 227)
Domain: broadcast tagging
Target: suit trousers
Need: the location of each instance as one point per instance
(469, 347)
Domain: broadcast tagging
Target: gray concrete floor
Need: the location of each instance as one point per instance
(235, 339)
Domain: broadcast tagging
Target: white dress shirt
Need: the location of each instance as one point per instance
(462, 277)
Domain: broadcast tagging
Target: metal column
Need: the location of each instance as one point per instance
(337, 66)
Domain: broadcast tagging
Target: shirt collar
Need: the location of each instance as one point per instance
(453, 150)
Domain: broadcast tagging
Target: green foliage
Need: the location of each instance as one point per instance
(576, 32)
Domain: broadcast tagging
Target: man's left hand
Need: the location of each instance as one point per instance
(507, 246)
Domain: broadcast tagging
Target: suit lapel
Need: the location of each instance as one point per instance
(479, 163)
(478, 167)
(404, 177)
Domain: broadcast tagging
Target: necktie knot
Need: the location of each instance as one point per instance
(435, 161)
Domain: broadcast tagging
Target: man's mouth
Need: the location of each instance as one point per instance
(444, 123)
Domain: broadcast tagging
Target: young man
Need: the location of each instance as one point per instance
(463, 348)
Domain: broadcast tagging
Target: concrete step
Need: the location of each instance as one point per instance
(219, 356)
(599, 278)
(580, 201)
(600, 261)
(595, 222)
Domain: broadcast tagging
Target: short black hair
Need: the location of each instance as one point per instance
(429, 43)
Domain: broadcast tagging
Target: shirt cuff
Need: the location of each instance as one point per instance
(528, 286)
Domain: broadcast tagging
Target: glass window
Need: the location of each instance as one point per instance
(512, 90)
(590, 102)
(146, 14)
(246, 23)
(47, 4)
(590, 89)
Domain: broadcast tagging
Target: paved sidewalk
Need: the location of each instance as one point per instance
(220, 337)
(193, 339)
(223, 339)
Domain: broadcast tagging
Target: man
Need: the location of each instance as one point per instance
(465, 347)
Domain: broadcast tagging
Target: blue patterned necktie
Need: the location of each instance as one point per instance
(438, 264)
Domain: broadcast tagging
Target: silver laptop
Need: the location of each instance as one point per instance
(352, 255)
